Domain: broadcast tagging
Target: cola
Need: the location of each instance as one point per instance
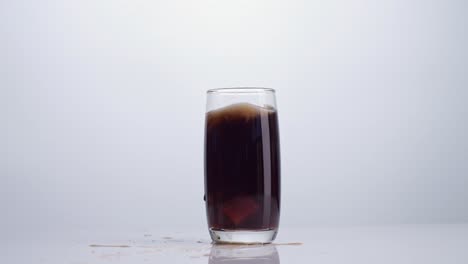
(242, 168)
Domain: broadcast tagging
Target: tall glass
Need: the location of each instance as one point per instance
(242, 165)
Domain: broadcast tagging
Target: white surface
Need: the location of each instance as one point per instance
(427, 244)
(102, 106)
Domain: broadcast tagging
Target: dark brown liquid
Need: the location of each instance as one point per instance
(242, 168)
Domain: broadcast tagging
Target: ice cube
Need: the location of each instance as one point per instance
(239, 208)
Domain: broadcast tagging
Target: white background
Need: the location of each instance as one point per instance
(102, 108)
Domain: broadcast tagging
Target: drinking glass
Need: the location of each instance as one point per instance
(242, 165)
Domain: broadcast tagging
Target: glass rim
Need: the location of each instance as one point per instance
(241, 89)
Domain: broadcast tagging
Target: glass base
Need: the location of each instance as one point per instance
(243, 236)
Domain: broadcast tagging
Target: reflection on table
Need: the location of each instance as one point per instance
(248, 254)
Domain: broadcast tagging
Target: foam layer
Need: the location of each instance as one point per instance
(243, 111)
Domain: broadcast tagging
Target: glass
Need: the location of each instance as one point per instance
(242, 165)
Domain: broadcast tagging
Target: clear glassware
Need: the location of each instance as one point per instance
(242, 165)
